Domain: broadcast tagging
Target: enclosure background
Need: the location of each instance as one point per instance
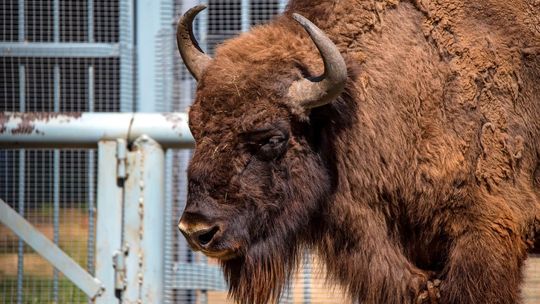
(113, 56)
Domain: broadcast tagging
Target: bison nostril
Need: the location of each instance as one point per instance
(204, 237)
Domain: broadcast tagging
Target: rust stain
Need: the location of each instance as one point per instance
(24, 127)
(3, 122)
(44, 116)
(176, 120)
(27, 120)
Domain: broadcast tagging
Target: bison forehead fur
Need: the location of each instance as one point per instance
(425, 167)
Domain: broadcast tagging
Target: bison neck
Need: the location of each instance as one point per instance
(359, 242)
(374, 139)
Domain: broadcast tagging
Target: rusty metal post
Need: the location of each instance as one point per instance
(109, 219)
(143, 230)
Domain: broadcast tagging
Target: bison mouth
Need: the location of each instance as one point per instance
(214, 244)
(222, 255)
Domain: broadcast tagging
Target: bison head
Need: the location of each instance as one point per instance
(257, 177)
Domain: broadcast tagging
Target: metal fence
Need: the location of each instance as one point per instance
(111, 56)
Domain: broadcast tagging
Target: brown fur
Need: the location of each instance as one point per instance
(426, 167)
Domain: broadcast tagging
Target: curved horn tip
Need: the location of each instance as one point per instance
(194, 58)
(198, 8)
(301, 19)
(317, 92)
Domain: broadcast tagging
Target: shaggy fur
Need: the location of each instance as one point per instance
(427, 167)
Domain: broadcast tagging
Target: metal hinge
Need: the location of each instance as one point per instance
(121, 156)
(119, 264)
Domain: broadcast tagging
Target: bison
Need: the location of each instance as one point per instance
(399, 140)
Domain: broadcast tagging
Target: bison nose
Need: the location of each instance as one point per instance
(199, 235)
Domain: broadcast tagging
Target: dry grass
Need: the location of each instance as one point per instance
(73, 235)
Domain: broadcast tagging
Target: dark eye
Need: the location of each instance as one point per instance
(275, 140)
(267, 143)
(273, 148)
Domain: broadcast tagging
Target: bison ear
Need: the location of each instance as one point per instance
(313, 92)
(195, 59)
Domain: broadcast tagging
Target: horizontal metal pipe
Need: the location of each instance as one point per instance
(59, 50)
(85, 130)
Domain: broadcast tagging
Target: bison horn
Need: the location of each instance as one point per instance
(318, 91)
(194, 58)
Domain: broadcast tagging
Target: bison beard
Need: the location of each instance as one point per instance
(259, 273)
(259, 276)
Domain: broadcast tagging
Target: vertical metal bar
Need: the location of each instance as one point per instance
(144, 211)
(91, 105)
(21, 20)
(91, 212)
(56, 177)
(307, 278)
(91, 174)
(22, 173)
(245, 12)
(56, 20)
(22, 156)
(169, 221)
(90, 16)
(56, 214)
(148, 29)
(133, 213)
(165, 94)
(109, 221)
(20, 251)
(91, 154)
(22, 88)
(127, 57)
(56, 88)
(154, 200)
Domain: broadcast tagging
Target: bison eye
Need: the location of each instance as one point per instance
(267, 144)
(273, 148)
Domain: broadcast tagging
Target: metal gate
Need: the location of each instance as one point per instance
(130, 198)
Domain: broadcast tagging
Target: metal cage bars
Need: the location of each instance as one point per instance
(22, 48)
(131, 197)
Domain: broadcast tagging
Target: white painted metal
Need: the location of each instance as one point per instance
(84, 130)
(59, 50)
(144, 209)
(109, 219)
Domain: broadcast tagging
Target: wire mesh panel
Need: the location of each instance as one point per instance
(53, 189)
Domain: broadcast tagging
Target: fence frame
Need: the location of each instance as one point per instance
(130, 200)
